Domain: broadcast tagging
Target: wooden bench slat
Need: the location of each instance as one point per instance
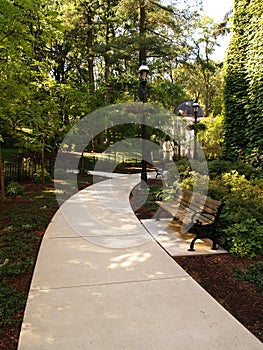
(199, 197)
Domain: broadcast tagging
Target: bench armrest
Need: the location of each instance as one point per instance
(198, 222)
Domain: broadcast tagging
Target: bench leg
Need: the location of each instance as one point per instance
(215, 245)
(191, 249)
(158, 214)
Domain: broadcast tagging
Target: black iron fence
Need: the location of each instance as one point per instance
(23, 167)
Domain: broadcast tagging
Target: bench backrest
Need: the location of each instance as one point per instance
(192, 202)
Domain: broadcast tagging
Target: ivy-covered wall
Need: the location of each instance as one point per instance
(243, 95)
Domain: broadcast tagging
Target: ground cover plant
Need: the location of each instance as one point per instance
(23, 220)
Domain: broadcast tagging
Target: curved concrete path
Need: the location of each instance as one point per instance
(101, 282)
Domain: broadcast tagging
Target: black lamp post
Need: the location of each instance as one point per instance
(195, 108)
(143, 70)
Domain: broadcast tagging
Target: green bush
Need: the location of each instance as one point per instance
(37, 177)
(217, 190)
(218, 167)
(197, 182)
(183, 169)
(15, 189)
(242, 221)
(246, 238)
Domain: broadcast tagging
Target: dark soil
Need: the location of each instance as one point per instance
(213, 272)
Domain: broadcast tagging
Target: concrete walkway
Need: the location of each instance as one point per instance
(102, 282)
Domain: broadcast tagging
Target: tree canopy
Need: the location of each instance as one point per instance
(60, 60)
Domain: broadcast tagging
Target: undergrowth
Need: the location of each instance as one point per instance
(21, 220)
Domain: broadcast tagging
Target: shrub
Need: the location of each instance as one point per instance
(37, 177)
(245, 238)
(246, 169)
(197, 182)
(15, 189)
(217, 190)
(183, 169)
(241, 220)
(218, 167)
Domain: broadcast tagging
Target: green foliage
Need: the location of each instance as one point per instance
(18, 225)
(245, 239)
(16, 267)
(11, 302)
(219, 166)
(77, 56)
(17, 239)
(15, 189)
(37, 176)
(154, 194)
(184, 167)
(211, 137)
(15, 248)
(254, 274)
(243, 123)
(166, 94)
(182, 175)
(217, 190)
(196, 182)
(241, 223)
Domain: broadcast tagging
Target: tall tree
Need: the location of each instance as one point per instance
(2, 178)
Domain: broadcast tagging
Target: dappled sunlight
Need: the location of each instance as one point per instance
(128, 260)
(49, 190)
(97, 215)
(85, 264)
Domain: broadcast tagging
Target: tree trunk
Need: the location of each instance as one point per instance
(90, 57)
(142, 28)
(107, 68)
(43, 160)
(2, 179)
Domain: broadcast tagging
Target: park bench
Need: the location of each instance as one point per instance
(197, 214)
(163, 170)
